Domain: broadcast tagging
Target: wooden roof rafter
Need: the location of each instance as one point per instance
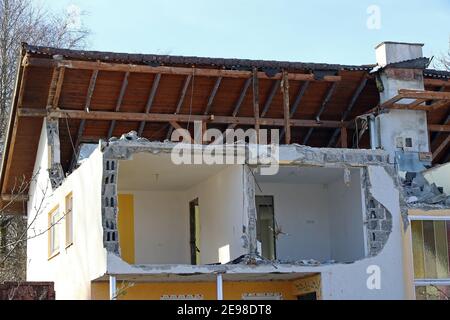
(417, 98)
(349, 108)
(323, 106)
(151, 98)
(55, 88)
(123, 89)
(187, 82)
(82, 126)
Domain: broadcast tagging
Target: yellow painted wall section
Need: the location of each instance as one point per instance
(126, 227)
(232, 290)
(408, 265)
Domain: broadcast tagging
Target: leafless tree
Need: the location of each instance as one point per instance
(443, 62)
(24, 21)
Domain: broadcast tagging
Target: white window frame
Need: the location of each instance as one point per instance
(428, 282)
(69, 220)
(54, 232)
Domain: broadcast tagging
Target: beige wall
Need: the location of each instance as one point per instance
(440, 176)
(74, 267)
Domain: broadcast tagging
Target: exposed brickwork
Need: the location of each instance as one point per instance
(109, 206)
(379, 221)
(27, 291)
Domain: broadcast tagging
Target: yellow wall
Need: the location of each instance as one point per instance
(232, 290)
(408, 264)
(126, 227)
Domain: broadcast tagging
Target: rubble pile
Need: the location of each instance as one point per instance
(419, 191)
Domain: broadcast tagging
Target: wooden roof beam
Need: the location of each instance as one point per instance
(213, 95)
(349, 108)
(206, 72)
(241, 98)
(255, 83)
(181, 99)
(328, 96)
(296, 104)
(439, 128)
(273, 91)
(150, 100)
(441, 147)
(286, 107)
(91, 89)
(159, 117)
(55, 88)
(82, 126)
(119, 102)
(437, 82)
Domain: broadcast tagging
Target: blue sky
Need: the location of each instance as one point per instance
(296, 30)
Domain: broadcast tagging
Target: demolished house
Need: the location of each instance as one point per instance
(357, 207)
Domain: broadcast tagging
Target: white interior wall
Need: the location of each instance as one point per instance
(319, 221)
(301, 211)
(75, 266)
(162, 220)
(221, 215)
(347, 219)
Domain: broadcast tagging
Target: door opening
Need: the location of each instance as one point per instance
(265, 227)
(194, 225)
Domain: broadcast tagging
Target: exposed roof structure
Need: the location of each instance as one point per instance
(98, 95)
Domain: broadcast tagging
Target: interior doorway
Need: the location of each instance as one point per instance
(265, 227)
(194, 226)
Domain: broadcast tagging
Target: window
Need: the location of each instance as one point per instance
(69, 220)
(53, 232)
(431, 251)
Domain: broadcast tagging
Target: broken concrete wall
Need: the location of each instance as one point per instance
(360, 279)
(378, 218)
(55, 170)
(109, 205)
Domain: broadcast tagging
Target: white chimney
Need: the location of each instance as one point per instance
(402, 133)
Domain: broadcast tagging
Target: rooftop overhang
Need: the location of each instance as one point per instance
(99, 95)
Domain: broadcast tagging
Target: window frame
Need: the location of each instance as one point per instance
(427, 282)
(53, 231)
(68, 219)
